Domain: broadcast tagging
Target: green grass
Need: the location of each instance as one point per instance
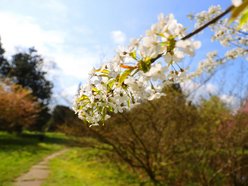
(82, 166)
(19, 153)
(87, 167)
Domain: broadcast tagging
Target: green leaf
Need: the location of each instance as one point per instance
(244, 18)
(163, 44)
(124, 75)
(133, 55)
(104, 113)
(110, 84)
(128, 103)
(160, 34)
(171, 44)
(83, 97)
(94, 89)
(105, 71)
(110, 109)
(145, 65)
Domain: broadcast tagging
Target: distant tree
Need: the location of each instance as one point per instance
(18, 108)
(63, 119)
(25, 69)
(4, 65)
(61, 115)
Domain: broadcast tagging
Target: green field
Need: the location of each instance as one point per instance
(79, 166)
(87, 167)
(19, 153)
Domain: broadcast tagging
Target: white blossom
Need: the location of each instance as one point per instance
(131, 76)
(237, 2)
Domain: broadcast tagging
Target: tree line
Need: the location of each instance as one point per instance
(25, 91)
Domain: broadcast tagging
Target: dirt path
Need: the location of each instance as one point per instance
(38, 173)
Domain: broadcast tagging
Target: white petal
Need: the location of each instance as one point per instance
(237, 2)
(197, 44)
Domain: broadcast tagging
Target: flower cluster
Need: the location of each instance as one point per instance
(226, 33)
(133, 74)
(229, 35)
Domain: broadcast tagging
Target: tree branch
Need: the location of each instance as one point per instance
(208, 23)
(200, 28)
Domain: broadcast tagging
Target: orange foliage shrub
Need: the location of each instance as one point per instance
(18, 108)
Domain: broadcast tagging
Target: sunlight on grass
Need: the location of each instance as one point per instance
(18, 154)
(87, 167)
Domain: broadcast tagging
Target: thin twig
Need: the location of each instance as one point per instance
(200, 28)
(208, 23)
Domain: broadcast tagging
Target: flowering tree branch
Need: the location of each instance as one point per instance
(196, 31)
(131, 76)
(214, 20)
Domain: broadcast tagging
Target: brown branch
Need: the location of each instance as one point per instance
(134, 132)
(208, 23)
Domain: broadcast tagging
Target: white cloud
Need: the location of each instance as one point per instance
(24, 32)
(76, 64)
(197, 91)
(231, 101)
(210, 88)
(118, 37)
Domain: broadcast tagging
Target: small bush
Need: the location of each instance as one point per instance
(18, 108)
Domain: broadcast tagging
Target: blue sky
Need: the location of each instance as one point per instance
(80, 34)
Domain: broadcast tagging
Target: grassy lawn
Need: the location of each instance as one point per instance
(82, 166)
(18, 154)
(87, 167)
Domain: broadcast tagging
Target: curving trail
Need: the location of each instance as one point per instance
(38, 173)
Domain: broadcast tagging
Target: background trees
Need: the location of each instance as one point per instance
(4, 65)
(63, 119)
(173, 142)
(26, 69)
